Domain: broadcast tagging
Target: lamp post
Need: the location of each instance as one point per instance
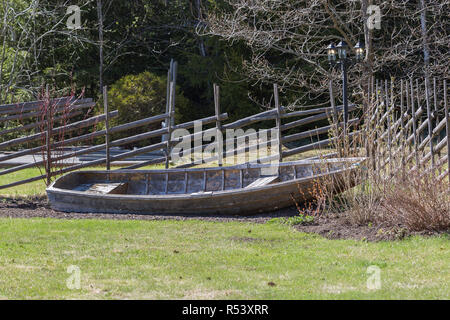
(343, 61)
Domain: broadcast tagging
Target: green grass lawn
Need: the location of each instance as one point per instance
(206, 260)
(36, 188)
(210, 260)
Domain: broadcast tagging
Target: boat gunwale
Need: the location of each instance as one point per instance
(206, 194)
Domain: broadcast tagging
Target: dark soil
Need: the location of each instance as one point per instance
(337, 227)
(329, 226)
(40, 208)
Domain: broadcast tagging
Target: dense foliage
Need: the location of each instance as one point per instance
(141, 96)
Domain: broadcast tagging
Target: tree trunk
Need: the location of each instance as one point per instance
(367, 38)
(201, 43)
(423, 26)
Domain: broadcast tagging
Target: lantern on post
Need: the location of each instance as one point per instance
(344, 61)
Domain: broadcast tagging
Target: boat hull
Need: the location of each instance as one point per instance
(245, 201)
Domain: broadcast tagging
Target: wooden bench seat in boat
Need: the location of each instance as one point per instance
(103, 188)
(263, 181)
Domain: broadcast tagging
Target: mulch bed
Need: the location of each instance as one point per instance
(329, 226)
(40, 208)
(337, 227)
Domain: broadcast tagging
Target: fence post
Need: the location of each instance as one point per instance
(436, 114)
(366, 114)
(383, 126)
(171, 77)
(169, 80)
(377, 125)
(447, 127)
(402, 128)
(107, 136)
(219, 136)
(388, 119)
(48, 137)
(333, 105)
(170, 122)
(436, 108)
(174, 80)
(335, 117)
(419, 120)
(413, 111)
(408, 108)
(370, 126)
(49, 160)
(429, 118)
(278, 120)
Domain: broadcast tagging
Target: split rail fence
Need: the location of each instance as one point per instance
(52, 140)
(409, 125)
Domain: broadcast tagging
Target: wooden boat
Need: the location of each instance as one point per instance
(243, 189)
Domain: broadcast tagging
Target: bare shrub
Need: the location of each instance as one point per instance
(362, 206)
(358, 198)
(53, 115)
(396, 189)
(317, 194)
(421, 202)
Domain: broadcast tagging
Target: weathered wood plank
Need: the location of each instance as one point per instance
(278, 121)
(447, 118)
(429, 119)
(171, 120)
(206, 120)
(315, 145)
(166, 185)
(241, 178)
(204, 180)
(263, 181)
(107, 134)
(413, 110)
(332, 110)
(21, 107)
(102, 188)
(21, 182)
(311, 119)
(145, 163)
(39, 113)
(40, 123)
(71, 141)
(48, 144)
(59, 130)
(266, 115)
(219, 136)
(315, 132)
(124, 155)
